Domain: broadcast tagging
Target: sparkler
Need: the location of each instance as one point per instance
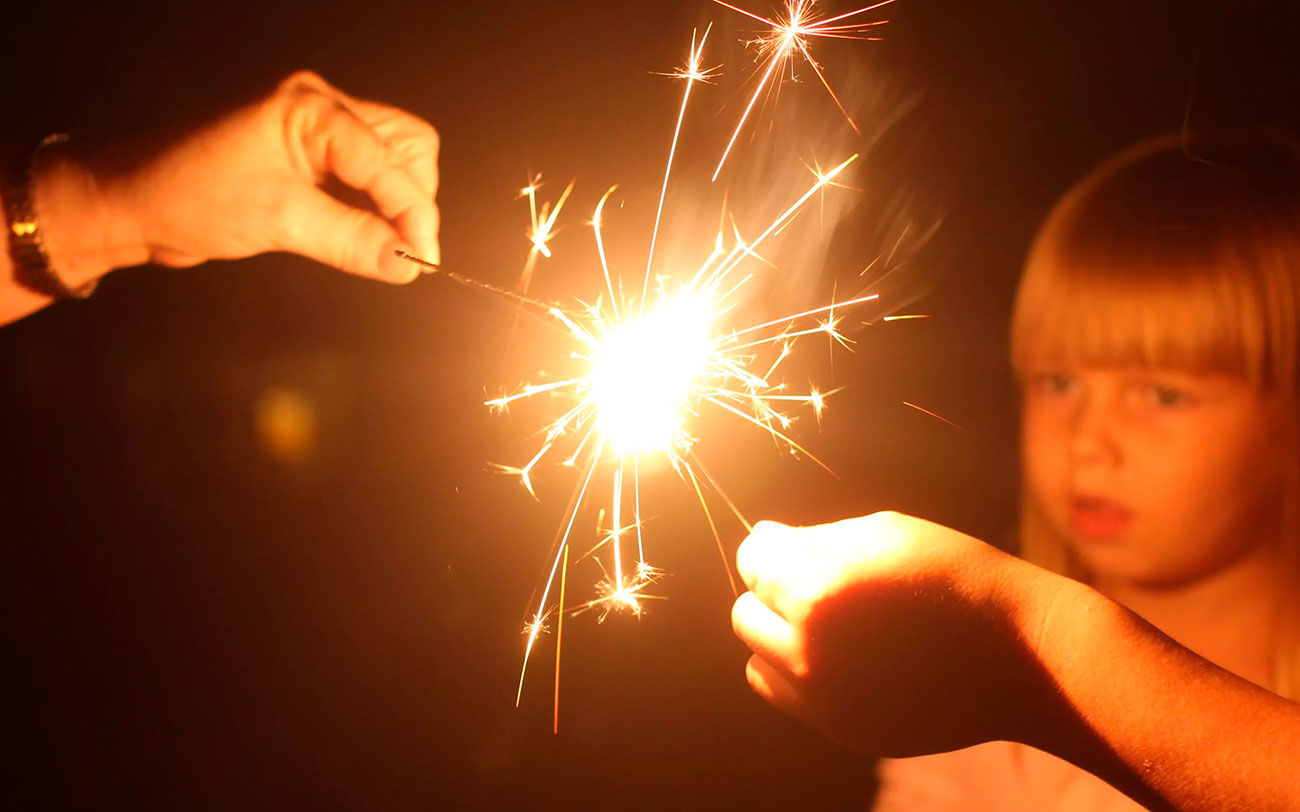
(649, 366)
(646, 373)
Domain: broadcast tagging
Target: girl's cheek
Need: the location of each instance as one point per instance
(1042, 460)
(1045, 432)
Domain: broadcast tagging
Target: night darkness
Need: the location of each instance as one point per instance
(190, 621)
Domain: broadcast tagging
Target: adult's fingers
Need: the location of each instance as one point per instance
(320, 227)
(767, 634)
(414, 144)
(419, 229)
(413, 139)
(344, 146)
(771, 683)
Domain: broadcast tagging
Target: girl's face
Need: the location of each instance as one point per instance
(1152, 477)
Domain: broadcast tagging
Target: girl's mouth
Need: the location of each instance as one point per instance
(1098, 518)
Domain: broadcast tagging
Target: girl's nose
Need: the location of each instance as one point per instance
(1093, 438)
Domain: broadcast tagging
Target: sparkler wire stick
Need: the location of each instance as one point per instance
(470, 281)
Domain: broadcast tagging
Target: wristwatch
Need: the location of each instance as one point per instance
(26, 245)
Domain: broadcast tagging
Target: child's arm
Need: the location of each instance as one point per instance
(900, 637)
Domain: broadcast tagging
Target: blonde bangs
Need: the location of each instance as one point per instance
(1161, 260)
(1179, 313)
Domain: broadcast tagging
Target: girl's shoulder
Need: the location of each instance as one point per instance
(1000, 776)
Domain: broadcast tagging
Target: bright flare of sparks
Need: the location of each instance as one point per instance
(787, 39)
(644, 376)
(643, 373)
(650, 365)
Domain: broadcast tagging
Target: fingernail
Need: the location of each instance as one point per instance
(426, 251)
(432, 252)
(395, 267)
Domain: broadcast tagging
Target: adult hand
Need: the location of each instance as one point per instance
(254, 181)
(891, 634)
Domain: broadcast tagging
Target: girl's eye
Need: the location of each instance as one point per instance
(1055, 383)
(1167, 396)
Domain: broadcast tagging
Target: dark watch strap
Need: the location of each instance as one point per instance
(26, 244)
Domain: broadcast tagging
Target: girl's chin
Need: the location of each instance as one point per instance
(1117, 568)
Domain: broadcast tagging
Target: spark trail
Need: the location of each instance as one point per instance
(788, 38)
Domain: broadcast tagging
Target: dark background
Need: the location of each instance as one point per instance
(192, 620)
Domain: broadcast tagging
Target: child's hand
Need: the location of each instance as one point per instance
(891, 634)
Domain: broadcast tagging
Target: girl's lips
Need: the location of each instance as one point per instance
(1099, 518)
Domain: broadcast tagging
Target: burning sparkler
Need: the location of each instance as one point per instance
(648, 366)
(647, 372)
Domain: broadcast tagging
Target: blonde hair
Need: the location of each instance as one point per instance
(1182, 253)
